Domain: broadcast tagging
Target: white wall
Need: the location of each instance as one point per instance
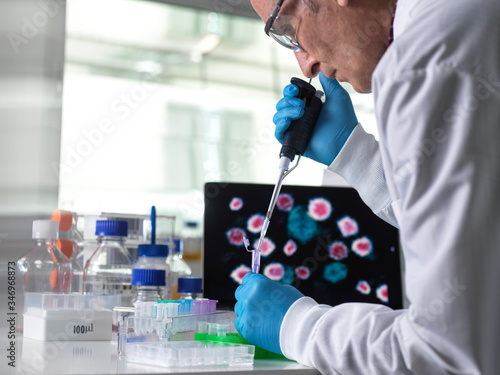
(31, 71)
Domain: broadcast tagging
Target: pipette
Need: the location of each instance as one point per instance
(295, 142)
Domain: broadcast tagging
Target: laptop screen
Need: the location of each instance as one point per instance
(322, 240)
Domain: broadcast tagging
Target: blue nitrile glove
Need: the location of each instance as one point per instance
(335, 123)
(261, 307)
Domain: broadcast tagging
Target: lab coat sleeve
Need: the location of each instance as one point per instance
(359, 163)
(443, 165)
(346, 339)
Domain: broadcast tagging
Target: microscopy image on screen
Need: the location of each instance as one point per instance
(323, 240)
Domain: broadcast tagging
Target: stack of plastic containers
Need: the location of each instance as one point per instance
(191, 354)
(159, 335)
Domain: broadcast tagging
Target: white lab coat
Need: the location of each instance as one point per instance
(435, 174)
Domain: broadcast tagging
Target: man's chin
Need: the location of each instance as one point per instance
(362, 87)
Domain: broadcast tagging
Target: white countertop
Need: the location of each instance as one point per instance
(100, 357)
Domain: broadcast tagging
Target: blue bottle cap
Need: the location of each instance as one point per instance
(152, 250)
(189, 285)
(111, 228)
(144, 277)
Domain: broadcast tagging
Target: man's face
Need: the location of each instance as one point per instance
(341, 39)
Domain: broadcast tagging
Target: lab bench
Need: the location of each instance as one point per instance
(100, 358)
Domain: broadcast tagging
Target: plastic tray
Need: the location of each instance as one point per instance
(190, 353)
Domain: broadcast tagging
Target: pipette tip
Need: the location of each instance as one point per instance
(255, 255)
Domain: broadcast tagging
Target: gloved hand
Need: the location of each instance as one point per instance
(261, 307)
(335, 123)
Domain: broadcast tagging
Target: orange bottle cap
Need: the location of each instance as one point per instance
(64, 218)
(65, 246)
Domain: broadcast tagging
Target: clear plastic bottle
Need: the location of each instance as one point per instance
(178, 267)
(190, 287)
(45, 269)
(147, 284)
(153, 257)
(109, 269)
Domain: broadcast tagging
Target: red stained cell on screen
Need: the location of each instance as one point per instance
(236, 204)
(275, 271)
(338, 250)
(285, 202)
(319, 209)
(254, 224)
(266, 248)
(238, 273)
(363, 287)
(290, 247)
(383, 293)
(362, 246)
(302, 272)
(348, 226)
(235, 236)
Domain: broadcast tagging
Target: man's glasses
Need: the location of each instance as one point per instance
(283, 28)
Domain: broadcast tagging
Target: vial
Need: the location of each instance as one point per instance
(147, 285)
(154, 256)
(190, 287)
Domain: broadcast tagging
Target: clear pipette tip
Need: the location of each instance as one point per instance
(255, 255)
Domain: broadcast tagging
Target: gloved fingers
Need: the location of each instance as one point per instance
(281, 127)
(289, 102)
(250, 276)
(288, 114)
(239, 308)
(329, 85)
(241, 290)
(290, 90)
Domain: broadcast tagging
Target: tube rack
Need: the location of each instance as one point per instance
(163, 333)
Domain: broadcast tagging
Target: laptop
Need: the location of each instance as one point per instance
(322, 240)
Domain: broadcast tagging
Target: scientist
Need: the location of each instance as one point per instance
(434, 69)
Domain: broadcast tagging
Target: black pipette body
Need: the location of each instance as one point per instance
(298, 134)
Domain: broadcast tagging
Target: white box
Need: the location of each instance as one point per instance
(68, 317)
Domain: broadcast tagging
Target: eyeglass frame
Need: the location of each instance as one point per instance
(269, 24)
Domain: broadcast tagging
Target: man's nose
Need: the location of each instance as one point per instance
(310, 66)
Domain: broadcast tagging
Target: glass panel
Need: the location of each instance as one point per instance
(160, 99)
